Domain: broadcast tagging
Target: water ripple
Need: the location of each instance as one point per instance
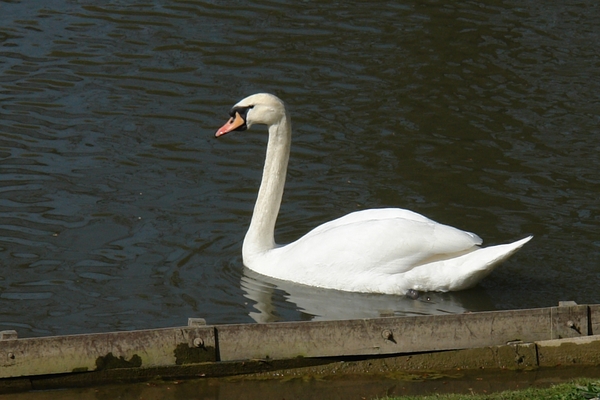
(119, 210)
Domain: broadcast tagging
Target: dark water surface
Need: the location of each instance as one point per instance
(359, 387)
(119, 210)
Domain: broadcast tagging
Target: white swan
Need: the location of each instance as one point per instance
(387, 250)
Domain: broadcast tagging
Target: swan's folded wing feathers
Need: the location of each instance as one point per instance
(393, 244)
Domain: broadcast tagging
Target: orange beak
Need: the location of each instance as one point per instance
(234, 123)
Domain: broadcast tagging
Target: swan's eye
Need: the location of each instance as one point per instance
(240, 110)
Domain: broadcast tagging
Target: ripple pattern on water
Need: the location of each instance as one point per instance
(119, 210)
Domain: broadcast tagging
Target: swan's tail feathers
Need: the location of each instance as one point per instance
(462, 272)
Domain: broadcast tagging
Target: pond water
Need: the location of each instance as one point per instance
(356, 387)
(120, 210)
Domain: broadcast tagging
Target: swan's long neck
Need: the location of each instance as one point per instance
(261, 233)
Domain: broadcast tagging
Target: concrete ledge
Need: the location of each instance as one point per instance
(572, 351)
(394, 346)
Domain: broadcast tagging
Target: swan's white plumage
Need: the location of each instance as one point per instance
(387, 250)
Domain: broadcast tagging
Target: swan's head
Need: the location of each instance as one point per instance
(261, 108)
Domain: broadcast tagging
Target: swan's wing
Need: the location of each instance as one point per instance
(373, 214)
(382, 240)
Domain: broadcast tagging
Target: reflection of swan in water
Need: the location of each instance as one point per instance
(277, 300)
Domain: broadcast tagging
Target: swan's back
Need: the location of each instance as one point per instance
(392, 226)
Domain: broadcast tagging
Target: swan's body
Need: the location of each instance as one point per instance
(379, 251)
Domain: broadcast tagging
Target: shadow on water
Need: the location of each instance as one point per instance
(307, 386)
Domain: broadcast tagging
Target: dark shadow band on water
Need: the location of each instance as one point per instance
(313, 385)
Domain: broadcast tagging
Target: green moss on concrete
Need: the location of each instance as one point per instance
(184, 354)
(109, 361)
